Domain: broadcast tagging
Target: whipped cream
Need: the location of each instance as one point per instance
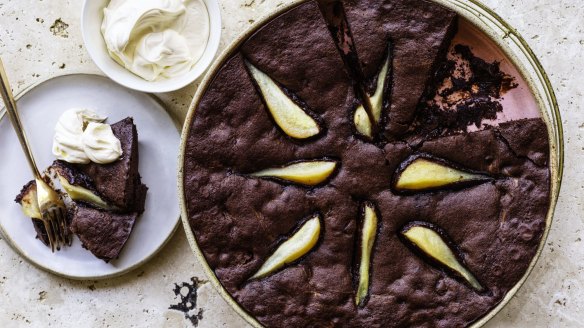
(100, 144)
(81, 137)
(156, 39)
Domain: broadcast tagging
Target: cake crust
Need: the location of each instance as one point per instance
(104, 233)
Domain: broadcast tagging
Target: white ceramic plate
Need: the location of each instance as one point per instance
(40, 108)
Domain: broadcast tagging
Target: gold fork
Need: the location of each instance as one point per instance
(51, 206)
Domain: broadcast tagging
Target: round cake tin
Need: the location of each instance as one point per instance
(510, 43)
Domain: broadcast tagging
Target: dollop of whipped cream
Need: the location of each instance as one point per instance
(100, 144)
(156, 39)
(81, 137)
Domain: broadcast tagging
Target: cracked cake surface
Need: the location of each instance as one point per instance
(239, 220)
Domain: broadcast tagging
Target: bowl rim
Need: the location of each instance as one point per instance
(505, 37)
(139, 84)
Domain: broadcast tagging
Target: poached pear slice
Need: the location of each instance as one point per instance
(28, 201)
(81, 194)
(433, 245)
(292, 249)
(368, 232)
(424, 174)
(308, 173)
(362, 123)
(361, 119)
(288, 115)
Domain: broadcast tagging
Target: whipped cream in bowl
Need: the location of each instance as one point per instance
(156, 39)
(152, 45)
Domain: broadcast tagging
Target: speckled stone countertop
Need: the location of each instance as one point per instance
(41, 38)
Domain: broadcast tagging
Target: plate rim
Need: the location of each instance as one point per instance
(488, 22)
(5, 236)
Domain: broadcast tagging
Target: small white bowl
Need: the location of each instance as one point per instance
(91, 19)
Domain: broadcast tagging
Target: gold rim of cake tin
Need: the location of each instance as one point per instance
(23, 254)
(513, 46)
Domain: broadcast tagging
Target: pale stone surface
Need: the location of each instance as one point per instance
(29, 297)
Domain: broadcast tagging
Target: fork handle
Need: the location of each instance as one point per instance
(10, 103)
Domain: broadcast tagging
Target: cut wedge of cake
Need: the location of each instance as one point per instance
(103, 200)
(119, 182)
(102, 232)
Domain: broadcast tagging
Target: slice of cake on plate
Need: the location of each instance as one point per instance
(103, 200)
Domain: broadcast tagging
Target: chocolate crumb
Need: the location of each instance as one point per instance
(187, 292)
(465, 91)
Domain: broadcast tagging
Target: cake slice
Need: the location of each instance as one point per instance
(28, 202)
(417, 32)
(81, 188)
(119, 182)
(103, 200)
(78, 186)
(297, 52)
(27, 198)
(102, 232)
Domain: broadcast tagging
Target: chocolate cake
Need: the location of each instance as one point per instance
(89, 192)
(27, 200)
(339, 230)
(102, 232)
(119, 182)
(464, 91)
(417, 32)
(103, 200)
